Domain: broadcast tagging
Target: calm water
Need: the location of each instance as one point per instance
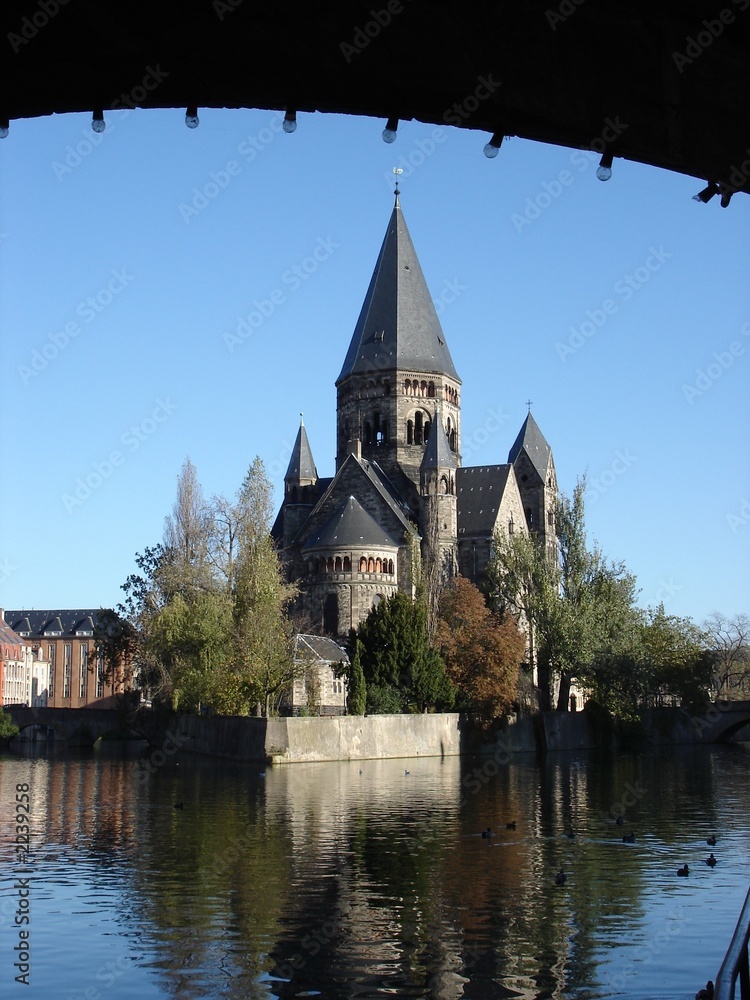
(319, 880)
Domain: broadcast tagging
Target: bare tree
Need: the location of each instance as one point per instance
(729, 639)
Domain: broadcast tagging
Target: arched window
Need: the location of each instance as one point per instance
(423, 388)
(376, 600)
(329, 565)
(367, 432)
(410, 432)
(431, 390)
(347, 564)
(331, 614)
(363, 565)
(337, 565)
(378, 565)
(418, 428)
(443, 484)
(452, 440)
(370, 565)
(390, 566)
(427, 429)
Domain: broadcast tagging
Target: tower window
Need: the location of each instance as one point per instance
(410, 432)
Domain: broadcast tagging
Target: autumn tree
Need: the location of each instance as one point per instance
(482, 650)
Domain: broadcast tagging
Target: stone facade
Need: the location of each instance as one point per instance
(399, 485)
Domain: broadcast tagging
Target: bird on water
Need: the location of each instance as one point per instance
(683, 871)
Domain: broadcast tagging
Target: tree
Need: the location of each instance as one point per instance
(729, 640)
(356, 686)
(482, 650)
(403, 673)
(574, 607)
(679, 661)
(263, 654)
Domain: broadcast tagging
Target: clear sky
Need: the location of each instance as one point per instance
(172, 292)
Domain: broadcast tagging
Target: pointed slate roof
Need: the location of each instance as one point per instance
(301, 464)
(398, 326)
(531, 440)
(438, 454)
(480, 490)
(351, 525)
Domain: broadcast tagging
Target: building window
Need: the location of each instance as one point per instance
(84, 669)
(66, 670)
(363, 565)
(99, 675)
(347, 564)
(550, 518)
(51, 657)
(331, 614)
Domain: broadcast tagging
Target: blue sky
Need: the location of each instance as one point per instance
(168, 292)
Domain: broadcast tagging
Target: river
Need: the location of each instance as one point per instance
(195, 878)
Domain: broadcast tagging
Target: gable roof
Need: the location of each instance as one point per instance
(357, 478)
(318, 647)
(398, 327)
(531, 440)
(479, 492)
(351, 525)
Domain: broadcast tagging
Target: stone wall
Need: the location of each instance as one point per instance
(356, 737)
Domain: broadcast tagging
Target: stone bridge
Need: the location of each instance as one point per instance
(84, 726)
(720, 721)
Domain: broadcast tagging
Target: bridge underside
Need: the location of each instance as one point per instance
(659, 82)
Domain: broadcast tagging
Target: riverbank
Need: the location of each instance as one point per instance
(297, 740)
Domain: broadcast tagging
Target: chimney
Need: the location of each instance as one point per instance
(354, 448)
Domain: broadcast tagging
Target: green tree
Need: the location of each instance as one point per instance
(575, 608)
(403, 673)
(356, 700)
(482, 650)
(680, 662)
(263, 633)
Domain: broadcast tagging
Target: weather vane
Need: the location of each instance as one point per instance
(397, 171)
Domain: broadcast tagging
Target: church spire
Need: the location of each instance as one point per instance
(301, 470)
(398, 327)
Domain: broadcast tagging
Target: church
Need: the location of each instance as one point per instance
(400, 496)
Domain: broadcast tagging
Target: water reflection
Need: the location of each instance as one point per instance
(361, 880)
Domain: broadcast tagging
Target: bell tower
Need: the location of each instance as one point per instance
(397, 369)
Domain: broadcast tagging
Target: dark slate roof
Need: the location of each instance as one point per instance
(531, 440)
(351, 525)
(301, 464)
(398, 326)
(318, 647)
(438, 454)
(69, 623)
(479, 492)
